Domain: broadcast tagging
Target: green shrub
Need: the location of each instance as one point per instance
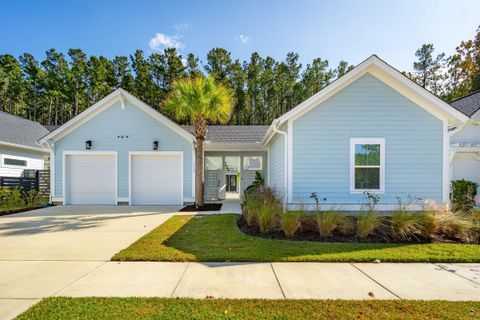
(368, 222)
(11, 198)
(291, 222)
(330, 221)
(259, 181)
(463, 194)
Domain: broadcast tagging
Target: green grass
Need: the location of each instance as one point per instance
(158, 308)
(217, 238)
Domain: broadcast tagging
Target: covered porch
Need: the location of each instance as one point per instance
(229, 173)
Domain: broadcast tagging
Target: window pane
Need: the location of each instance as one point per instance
(367, 178)
(252, 163)
(232, 163)
(367, 154)
(15, 162)
(213, 163)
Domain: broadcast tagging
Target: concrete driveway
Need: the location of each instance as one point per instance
(43, 251)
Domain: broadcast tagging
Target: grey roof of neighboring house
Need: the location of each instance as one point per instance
(234, 134)
(20, 131)
(469, 104)
(51, 128)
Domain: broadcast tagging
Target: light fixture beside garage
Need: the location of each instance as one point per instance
(155, 145)
(88, 144)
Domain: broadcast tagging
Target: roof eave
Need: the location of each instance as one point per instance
(16, 145)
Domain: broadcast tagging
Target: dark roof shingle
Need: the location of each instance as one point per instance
(469, 104)
(20, 131)
(234, 134)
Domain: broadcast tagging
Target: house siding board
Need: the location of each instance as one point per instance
(367, 108)
(141, 130)
(35, 160)
(277, 164)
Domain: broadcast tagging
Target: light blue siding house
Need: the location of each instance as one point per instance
(373, 130)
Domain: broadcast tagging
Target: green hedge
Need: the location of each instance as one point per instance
(463, 195)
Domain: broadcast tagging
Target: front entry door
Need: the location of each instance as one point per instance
(232, 185)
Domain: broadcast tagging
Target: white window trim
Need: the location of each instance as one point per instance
(353, 142)
(253, 169)
(12, 166)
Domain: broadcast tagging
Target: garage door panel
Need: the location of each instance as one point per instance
(156, 179)
(90, 179)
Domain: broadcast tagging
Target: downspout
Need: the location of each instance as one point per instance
(50, 146)
(285, 135)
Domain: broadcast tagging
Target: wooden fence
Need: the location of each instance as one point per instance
(30, 180)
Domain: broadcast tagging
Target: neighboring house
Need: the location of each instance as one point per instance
(19, 149)
(465, 141)
(371, 130)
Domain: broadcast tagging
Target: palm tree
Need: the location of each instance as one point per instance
(199, 101)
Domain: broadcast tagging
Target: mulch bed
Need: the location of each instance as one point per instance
(205, 207)
(310, 234)
(20, 210)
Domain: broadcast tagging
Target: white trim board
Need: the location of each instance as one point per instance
(117, 95)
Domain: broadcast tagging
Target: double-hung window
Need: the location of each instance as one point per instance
(367, 165)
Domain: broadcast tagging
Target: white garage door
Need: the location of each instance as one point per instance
(90, 179)
(156, 179)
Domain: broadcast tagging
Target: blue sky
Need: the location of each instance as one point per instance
(333, 30)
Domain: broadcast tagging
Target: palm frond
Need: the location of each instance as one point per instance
(200, 99)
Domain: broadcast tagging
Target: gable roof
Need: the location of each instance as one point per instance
(117, 95)
(232, 134)
(469, 104)
(20, 132)
(387, 74)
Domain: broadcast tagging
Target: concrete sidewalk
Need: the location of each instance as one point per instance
(29, 281)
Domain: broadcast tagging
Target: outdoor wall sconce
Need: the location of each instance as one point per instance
(88, 144)
(155, 145)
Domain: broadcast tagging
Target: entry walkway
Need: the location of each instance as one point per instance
(65, 251)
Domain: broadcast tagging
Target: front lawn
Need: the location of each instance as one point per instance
(217, 238)
(158, 308)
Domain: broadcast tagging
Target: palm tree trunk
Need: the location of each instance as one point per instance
(199, 173)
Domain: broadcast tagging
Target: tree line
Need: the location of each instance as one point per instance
(56, 89)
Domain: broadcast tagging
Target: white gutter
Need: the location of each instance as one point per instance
(285, 136)
(21, 146)
(50, 145)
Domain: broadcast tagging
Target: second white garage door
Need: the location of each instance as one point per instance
(156, 178)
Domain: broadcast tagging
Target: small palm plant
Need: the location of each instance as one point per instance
(199, 101)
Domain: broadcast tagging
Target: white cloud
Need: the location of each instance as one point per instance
(162, 41)
(181, 26)
(243, 39)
